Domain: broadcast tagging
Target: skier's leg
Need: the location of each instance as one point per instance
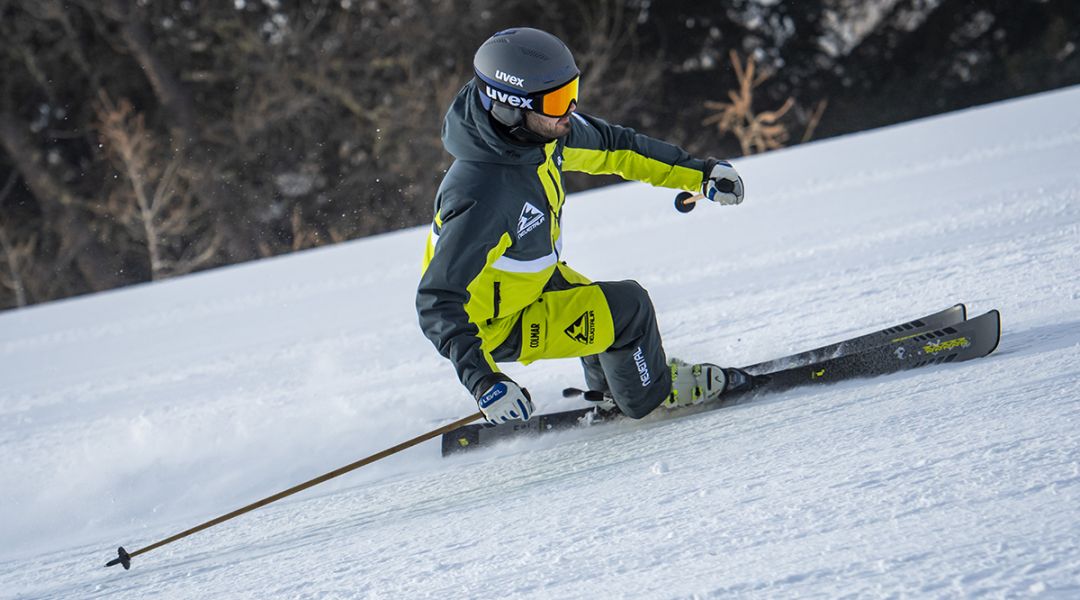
(595, 379)
(634, 366)
(612, 322)
(634, 323)
(634, 320)
(594, 373)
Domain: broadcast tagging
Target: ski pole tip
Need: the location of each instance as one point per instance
(122, 558)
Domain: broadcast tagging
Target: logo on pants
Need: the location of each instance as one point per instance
(583, 329)
(534, 335)
(642, 367)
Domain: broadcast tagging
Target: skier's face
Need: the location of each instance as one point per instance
(551, 127)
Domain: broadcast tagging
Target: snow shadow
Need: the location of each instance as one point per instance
(1038, 340)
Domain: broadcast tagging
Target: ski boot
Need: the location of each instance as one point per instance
(703, 382)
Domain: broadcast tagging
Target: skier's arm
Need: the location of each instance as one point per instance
(600, 148)
(465, 235)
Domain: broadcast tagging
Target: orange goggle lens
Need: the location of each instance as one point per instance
(556, 103)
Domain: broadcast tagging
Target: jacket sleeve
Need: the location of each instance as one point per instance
(599, 148)
(464, 236)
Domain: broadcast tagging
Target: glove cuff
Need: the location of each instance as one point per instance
(487, 381)
(709, 164)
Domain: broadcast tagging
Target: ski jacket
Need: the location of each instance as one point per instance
(496, 237)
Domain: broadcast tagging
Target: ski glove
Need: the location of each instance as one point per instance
(502, 400)
(722, 183)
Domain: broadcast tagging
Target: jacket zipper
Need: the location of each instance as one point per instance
(495, 315)
(555, 213)
(558, 195)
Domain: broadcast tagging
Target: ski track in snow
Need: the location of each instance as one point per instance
(130, 415)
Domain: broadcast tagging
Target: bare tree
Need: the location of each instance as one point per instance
(17, 254)
(260, 128)
(607, 50)
(156, 204)
(756, 132)
(175, 97)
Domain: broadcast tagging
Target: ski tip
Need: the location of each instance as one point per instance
(122, 558)
(963, 310)
(987, 329)
(997, 341)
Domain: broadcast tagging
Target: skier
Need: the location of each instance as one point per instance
(494, 288)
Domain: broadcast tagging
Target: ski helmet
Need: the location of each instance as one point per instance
(525, 69)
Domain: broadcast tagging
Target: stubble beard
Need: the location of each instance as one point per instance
(552, 127)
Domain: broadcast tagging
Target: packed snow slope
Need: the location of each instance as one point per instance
(128, 416)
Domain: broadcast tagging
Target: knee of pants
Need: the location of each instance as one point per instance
(635, 366)
(632, 311)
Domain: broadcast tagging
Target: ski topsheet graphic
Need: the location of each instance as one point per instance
(950, 316)
(941, 337)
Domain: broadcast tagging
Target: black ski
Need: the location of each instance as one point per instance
(899, 350)
(969, 339)
(950, 316)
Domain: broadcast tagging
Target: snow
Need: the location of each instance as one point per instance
(131, 415)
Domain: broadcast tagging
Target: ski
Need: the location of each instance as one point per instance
(969, 339)
(936, 342)
(950, 316)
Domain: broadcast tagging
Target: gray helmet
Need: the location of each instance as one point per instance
(525, 69)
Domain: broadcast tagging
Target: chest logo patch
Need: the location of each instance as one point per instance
(531, 218)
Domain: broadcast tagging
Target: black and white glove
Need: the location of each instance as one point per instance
(722, 183)
(502, 400)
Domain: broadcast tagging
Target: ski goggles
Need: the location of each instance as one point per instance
(550, 103)
(556, 103)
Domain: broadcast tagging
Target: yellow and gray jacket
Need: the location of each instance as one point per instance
(496, 236)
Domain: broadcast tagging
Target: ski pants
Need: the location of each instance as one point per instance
(610, 325)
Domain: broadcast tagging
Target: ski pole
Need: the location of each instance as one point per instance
(124, 558)
(685, 201)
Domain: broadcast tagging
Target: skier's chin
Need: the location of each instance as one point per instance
(562, 126)
(553, 127)
(557, 128)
